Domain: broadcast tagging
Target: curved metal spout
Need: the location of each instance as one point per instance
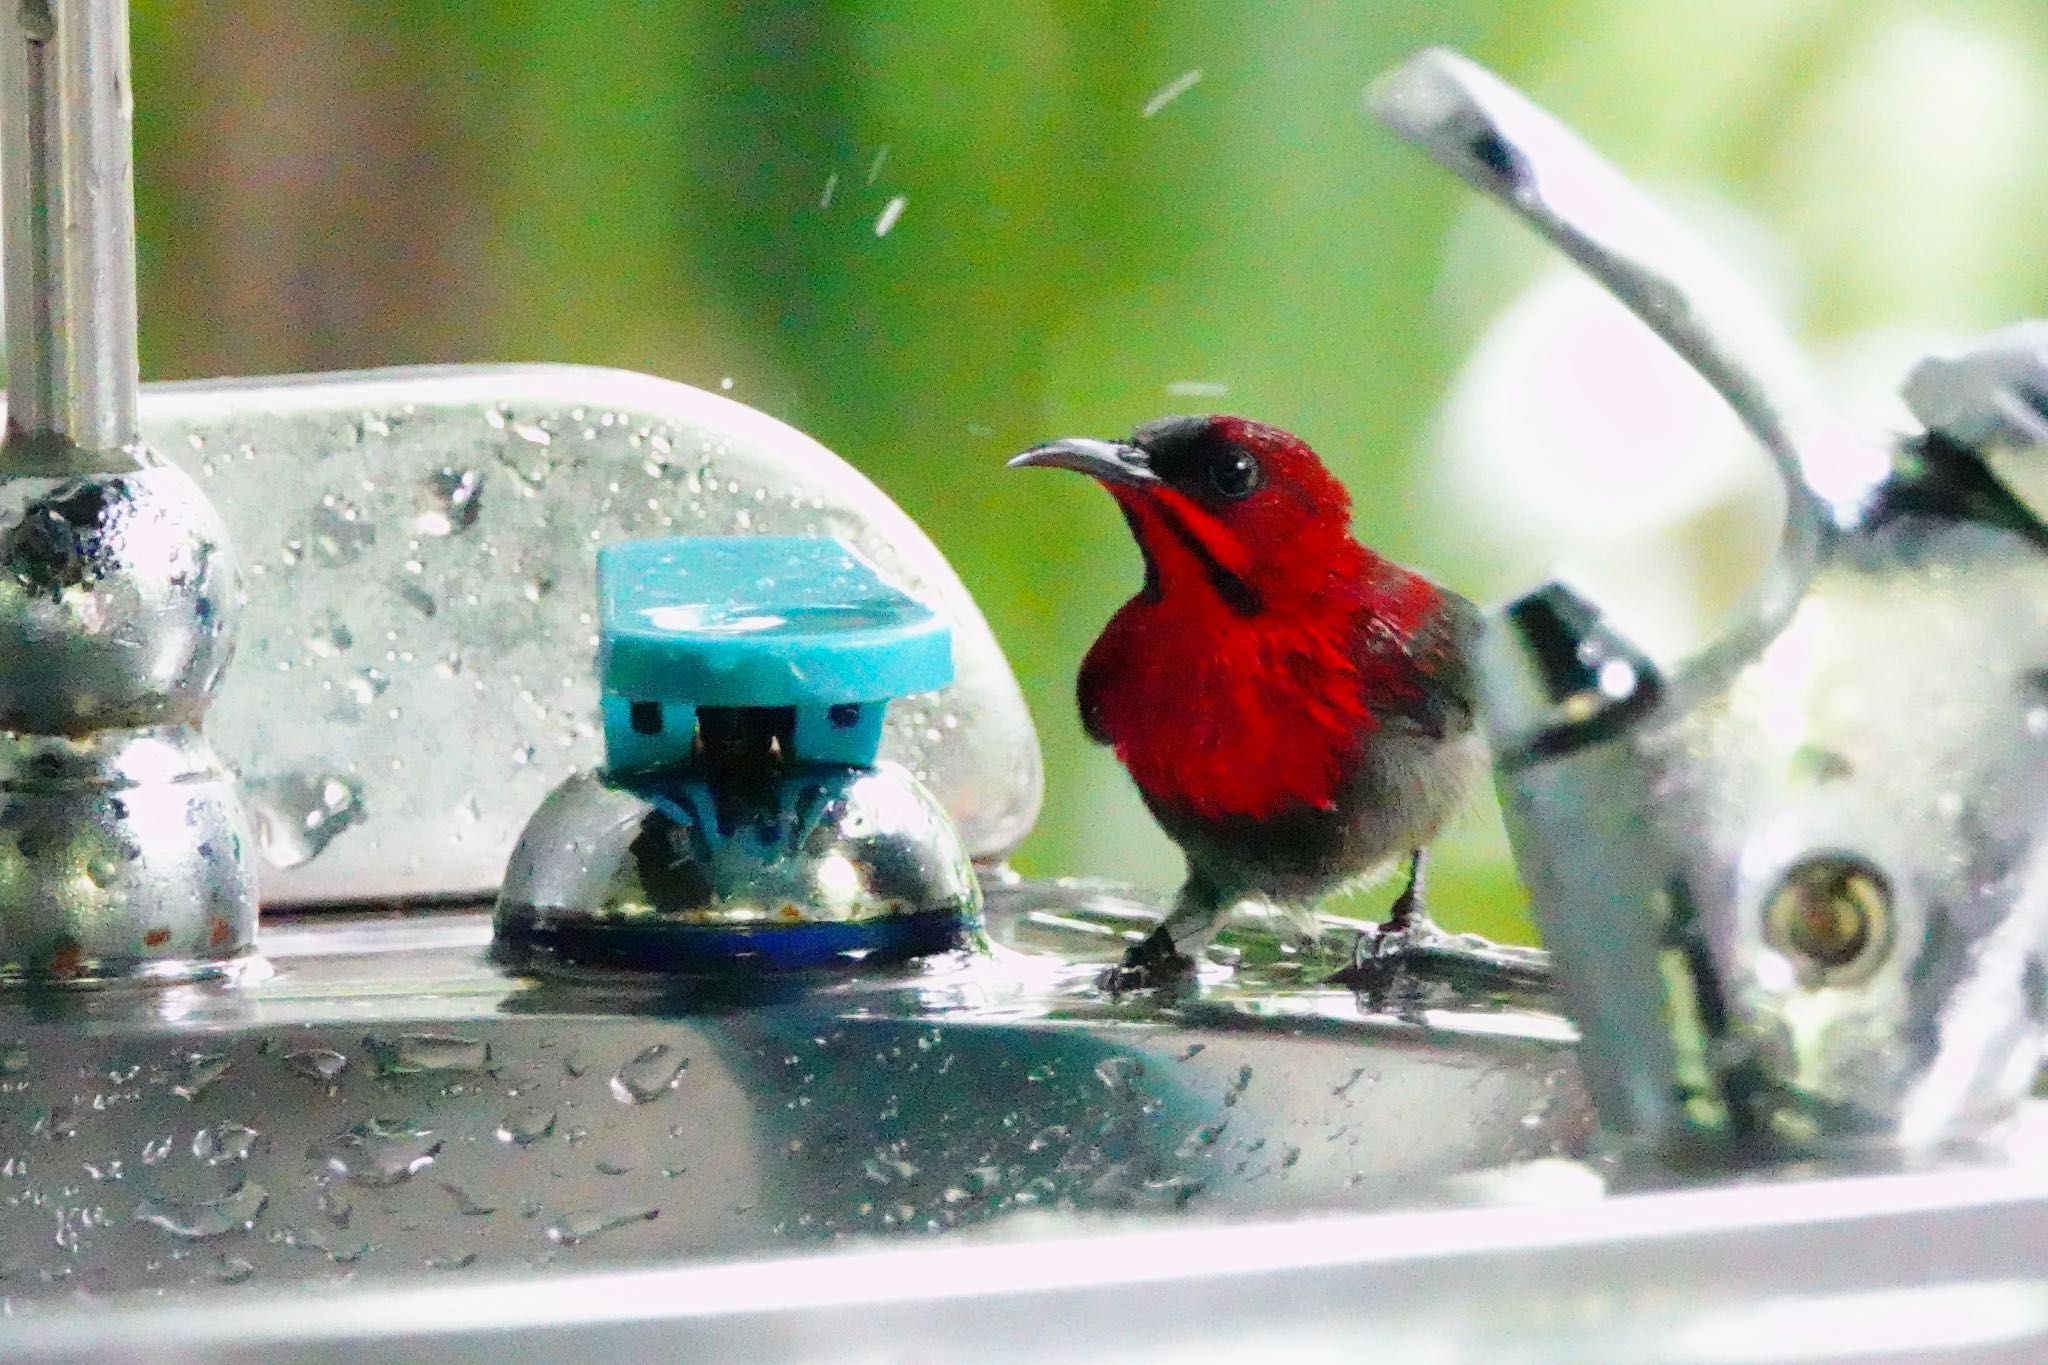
(1476, 125)
(67, 184)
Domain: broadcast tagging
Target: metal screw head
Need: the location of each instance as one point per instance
(1832, 915)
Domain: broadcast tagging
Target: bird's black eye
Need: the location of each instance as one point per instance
(1235, 474)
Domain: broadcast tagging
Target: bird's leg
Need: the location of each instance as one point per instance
(1166, 954)
(1403, 924)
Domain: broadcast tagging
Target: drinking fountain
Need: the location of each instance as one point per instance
(1794, 882)
(709, 733)
(627, 784)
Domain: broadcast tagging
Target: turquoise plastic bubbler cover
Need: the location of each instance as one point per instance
(756, 621)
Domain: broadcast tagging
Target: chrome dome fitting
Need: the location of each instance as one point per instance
(742, 824)
(123, 851)
(1796, 883)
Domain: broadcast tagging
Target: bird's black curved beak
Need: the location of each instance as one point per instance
(1109, 461)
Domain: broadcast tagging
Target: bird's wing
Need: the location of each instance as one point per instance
(1440, 703)
(1088, 695)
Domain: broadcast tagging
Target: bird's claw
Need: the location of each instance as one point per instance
(1381, 948)
(1154, 962)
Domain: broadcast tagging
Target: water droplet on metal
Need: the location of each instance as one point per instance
(651, 1073)
(452, 1260)
(321, 1064)
(449, 502)
(13, 1058)
(230, 1270)
(570, 1228)
(297, 815)
(523, 1127)
(1118, 1073)
(202, 1069)
(341, 1252)
(225, 1144)
(378, 1153)
(885, 1168)
(337, 1206)
(340, 532)
(412, 1053)
(1235, 1091)
(200, 1220)
(465, 1203)
(330, 639)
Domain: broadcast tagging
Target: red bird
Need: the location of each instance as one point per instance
(1295, 709)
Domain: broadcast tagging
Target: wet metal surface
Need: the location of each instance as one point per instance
(389, 1106)
(415, 667)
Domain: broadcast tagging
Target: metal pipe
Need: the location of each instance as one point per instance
(67, 185)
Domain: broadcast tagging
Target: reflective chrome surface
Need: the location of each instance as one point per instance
(414, 674)
(1795, 885)
(123, 852)
(1937, 1267)
(1991, 397)
(678, 872)
(392, 1106)
(67, 190)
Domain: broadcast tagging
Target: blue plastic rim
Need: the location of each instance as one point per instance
(803, 623)
(760, 621)
(716, 951)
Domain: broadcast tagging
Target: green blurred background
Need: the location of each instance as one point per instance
(1089, 235)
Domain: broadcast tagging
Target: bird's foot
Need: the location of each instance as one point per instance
(1380, 949)
(1153, 962)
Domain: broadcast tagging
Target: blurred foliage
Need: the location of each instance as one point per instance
(696, 190)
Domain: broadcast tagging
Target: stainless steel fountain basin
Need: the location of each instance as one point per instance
(389, 1104)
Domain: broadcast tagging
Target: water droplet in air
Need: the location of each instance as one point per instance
(652, 1073)
(891, 212)
(1169, 92)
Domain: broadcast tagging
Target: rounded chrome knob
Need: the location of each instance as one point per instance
(742, 823)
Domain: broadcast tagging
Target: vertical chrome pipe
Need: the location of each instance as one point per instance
(123, 846)
(67, 186)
